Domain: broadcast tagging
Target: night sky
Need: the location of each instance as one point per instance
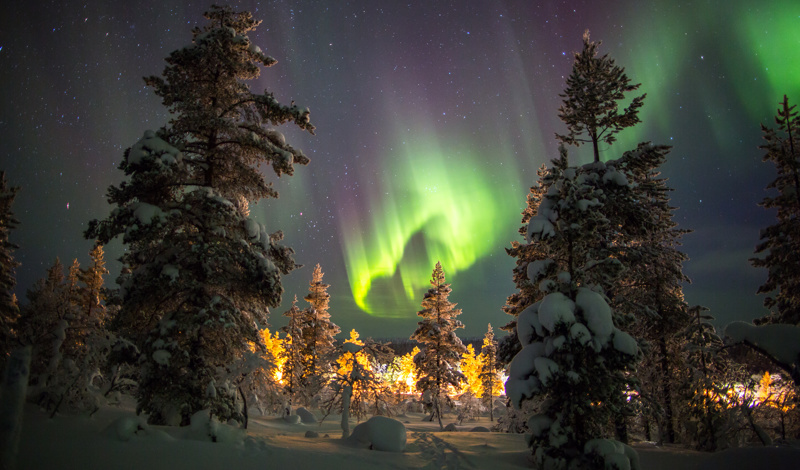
(432, 118)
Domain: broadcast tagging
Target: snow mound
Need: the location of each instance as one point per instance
(125, 428)
(306, 417)
(292, 419)
(204, 427)
(615, 454)
(380, 433)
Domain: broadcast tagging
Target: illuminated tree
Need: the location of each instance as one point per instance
(356, 386)
(779, 247)
(706, 394)
(591, 100)
(91, 295)
(777, 395)
(276, 348)
(471, 367)
(257, 373)
(491, 384)
(9, 310)
(437, 362)
(406, 377)
(201, 273)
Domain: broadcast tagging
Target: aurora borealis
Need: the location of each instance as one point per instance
(432, 118)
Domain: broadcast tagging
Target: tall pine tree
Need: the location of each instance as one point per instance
(292, 353)
(9, 310)
(319, 334)
(591, 100)
(202, 273)
(780, 243)
(437, 362)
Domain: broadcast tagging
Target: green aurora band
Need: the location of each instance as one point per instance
(436, 203)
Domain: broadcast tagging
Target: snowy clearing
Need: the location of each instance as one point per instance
(70, 442)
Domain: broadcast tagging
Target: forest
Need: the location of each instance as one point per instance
(601, 351)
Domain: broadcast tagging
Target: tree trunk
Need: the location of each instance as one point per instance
(244, 412)
(666, 391)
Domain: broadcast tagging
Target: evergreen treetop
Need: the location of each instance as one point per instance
(437, 362)
(591, 99)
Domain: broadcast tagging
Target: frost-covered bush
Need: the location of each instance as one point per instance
(468, 407)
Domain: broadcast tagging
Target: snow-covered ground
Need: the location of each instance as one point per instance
(68, 442)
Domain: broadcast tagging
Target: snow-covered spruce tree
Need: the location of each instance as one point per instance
(437, 362)
(40, 325)
(779, 248)
(9, 310)
(319, 334)
(591, 100)
(202, 273)
(64, 324)
(573, 355)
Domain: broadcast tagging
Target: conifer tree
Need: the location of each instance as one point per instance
(9, 310)
(39, 320)
(490, 371)
(650, 290)
(591, 100)
(202, 273)
(779, 247)
(70, 343)
(318, 334)
(470, 366)
(437, 362)
(92, 294)
(292, 355)
(706, 395)
(573, 355)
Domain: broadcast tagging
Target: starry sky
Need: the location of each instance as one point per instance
(432, 118)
